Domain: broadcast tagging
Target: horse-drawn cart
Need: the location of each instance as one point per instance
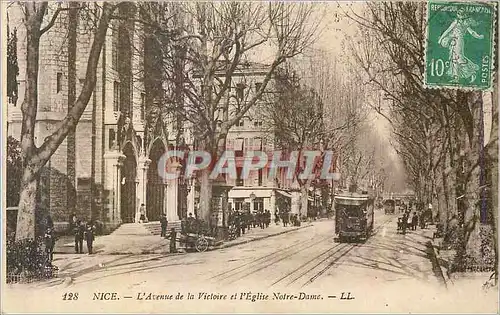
(198, 242)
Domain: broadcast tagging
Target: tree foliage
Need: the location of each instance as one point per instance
(435, 132)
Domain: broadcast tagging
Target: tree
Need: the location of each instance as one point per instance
(215, 42)
(12, 66)
(14, 171)
(34, 158)
(435, 130)
(296, 124)
(314, 109)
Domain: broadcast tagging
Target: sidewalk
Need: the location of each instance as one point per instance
(458, 280)
(116, 245)
(111, 248)
(257, 233)
(154, 244)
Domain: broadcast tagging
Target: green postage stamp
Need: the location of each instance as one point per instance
(460, 45)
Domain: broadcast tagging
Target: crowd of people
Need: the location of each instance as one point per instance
(79, 229)
(419, 217)
(82, 231)
(242, 221)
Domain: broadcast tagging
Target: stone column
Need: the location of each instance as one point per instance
(272, 204)
(191, 197)
(295, 206)
(171, 197)
(112, 183)
(142, 181)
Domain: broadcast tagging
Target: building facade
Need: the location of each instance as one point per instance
(254, 132)
(108, 166)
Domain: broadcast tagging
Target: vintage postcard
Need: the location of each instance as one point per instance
(249, 157)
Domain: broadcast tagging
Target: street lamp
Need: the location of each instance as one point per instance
(252, 198)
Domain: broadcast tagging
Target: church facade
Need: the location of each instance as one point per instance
(108, 167)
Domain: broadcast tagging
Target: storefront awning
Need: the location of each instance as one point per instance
(284, 193)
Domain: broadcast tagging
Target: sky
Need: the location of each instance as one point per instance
(337, 30)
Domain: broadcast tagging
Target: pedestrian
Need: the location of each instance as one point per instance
(163, 223)
(277, 217)
(414, 221)
(429, 215)
(173, 240)
(72, 223)
(48, 222)
(249, 220)
(242, 220)
(260, 217)
(237, 223)
(89, 236)
(284, 218)
(49, 244)
(268, 218)
(78, 231)
(214, 220)
(190, 223)
(405, 222)
(142, 213)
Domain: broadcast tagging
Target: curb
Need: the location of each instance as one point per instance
(439, 270)
(261, 238)
(165, 252)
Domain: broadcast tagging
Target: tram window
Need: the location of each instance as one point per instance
(350, 211)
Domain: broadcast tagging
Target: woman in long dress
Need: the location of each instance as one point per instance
(460, 67)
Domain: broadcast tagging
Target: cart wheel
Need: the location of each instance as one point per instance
(201, 244)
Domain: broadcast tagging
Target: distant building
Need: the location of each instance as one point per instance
(254, 132)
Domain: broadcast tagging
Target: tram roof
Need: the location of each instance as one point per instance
(353, 197)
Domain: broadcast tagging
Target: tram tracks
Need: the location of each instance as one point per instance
(266, 261)
(292, 277)
(318, 265)
(226, 272)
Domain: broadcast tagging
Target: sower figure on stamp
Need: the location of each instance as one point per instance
(164, 223)
(89, 236)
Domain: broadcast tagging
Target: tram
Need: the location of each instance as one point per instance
(353, 216)
(389, 206)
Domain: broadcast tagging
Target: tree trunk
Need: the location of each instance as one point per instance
(324, 201)
(475, 172)
(492, 153)
(71, 137)
(304, 200)
(26, 215)
(469, 240)
(35, 158)
(205, 195)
